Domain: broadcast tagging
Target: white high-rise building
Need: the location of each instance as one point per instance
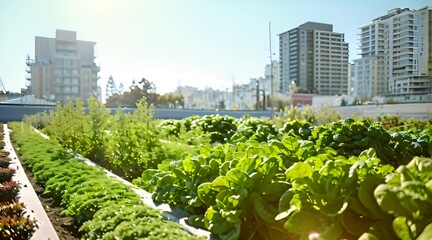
(64, 68)
(314, 58)
(396, 56)
(271, 73)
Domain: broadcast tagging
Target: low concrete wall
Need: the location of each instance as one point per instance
(407, 110)
(9, 112)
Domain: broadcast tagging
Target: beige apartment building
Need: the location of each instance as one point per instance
(64, 68)
(396, 56)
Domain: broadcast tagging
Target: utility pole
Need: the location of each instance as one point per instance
(257, 96)
(271, 75)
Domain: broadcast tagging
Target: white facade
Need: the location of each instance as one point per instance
(208, 98)
(245, 95)
(369, 77)
(64, 68)
(315, 58)
(396, 56)
(272, 72)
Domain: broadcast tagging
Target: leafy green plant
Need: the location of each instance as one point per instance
(4, 162)
(9, 191)
(4, 153)
(297, 128)
(220, 128)
(259, 129)
(133, 143)
(406, 195)
(84, 199)
(333, 197)
(350, 137)
(11, 208)
(16, 227)
(6, 174)
(134, 222)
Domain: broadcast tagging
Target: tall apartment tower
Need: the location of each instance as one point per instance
(64, 68)
(396, 56)
(314, 58)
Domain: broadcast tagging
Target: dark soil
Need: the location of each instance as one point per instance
(64, 226)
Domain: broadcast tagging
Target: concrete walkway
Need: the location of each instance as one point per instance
(28, 196)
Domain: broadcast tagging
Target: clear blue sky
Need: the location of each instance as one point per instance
(170, 42)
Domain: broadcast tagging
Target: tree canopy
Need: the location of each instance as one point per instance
(147, 89)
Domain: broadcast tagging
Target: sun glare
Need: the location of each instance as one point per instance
(101, 6)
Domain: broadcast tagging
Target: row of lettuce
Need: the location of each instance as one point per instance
(344, 180)
(13, 222)
(102, 207)
(258, 179)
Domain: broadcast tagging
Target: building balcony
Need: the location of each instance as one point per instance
(68, 75)
(420, 90)
(399, 76)
(400, 37)
(364, 38)
(403, 29)
(405, 41)
(420, 80)
(403, 59)
(403, 70)
(399, 54)
(404, 65)
(420, 86)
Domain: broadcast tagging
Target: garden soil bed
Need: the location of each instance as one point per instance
(64, 226)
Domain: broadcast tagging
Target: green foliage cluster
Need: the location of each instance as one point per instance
(6, 174)
(300, 182)
(396, 123)
(4, 162)
(4, 153)
(87, 194)
(125, 143)
(347, 136)
(9, 191)
(219, 129)
(259, 129)
(350, 137)
(406, 195)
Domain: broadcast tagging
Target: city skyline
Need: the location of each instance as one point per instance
(171, 43)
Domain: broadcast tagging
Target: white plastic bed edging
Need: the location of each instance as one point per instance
(28, 196)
